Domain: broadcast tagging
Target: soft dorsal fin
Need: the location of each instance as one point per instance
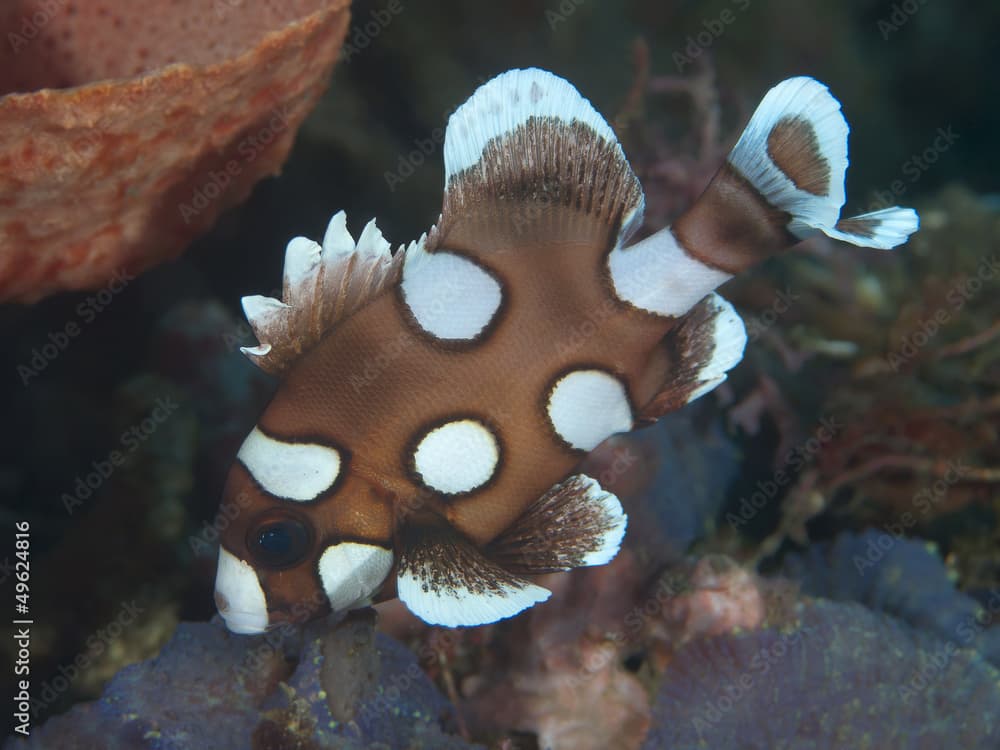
(323, 284)
(576, 523)
(525, 146)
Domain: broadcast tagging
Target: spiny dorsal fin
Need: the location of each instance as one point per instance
(576, 523)
(323, 284)
(527, 144)
(445, 580)
(706, 343)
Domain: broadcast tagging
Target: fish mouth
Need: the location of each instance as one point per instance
(244, 623)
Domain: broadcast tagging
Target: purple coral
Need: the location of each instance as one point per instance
(840, 677)
(211, 689)
(904, 578)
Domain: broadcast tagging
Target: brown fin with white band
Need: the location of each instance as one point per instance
(576, 523)
(445, 580)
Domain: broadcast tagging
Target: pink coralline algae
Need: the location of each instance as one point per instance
(722, 597)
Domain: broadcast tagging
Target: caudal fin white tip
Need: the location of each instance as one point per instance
(794, 153)
(883, 229)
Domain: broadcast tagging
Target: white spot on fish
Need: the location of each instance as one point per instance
(586, 407)
(351, 572)
(450, 297)
(457, 457)
(291, 471)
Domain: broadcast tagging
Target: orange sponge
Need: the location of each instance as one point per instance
(127, 128)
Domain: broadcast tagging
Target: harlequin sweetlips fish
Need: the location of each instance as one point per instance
(434, 402)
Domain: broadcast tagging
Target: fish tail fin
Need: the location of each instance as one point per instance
(884, 229)
(784, 182)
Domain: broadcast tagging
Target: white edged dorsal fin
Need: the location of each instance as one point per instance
(323, 284)
(444, 580)
(527, 145)
(576, 523)
(705, 344)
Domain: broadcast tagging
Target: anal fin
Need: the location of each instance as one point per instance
(576, 523)
(445, 580)
(705, 344)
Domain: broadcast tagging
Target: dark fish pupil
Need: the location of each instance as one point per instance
(280, 544)
(275, 540)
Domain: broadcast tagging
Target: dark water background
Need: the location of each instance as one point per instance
(905, 72)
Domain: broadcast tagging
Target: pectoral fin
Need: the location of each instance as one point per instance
(576, 523)
(445, 580)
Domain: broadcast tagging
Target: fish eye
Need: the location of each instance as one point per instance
(279, 542)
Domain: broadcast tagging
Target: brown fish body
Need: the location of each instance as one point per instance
(395, 375)
(434, 403)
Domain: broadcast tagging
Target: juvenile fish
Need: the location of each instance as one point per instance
(423, 440)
